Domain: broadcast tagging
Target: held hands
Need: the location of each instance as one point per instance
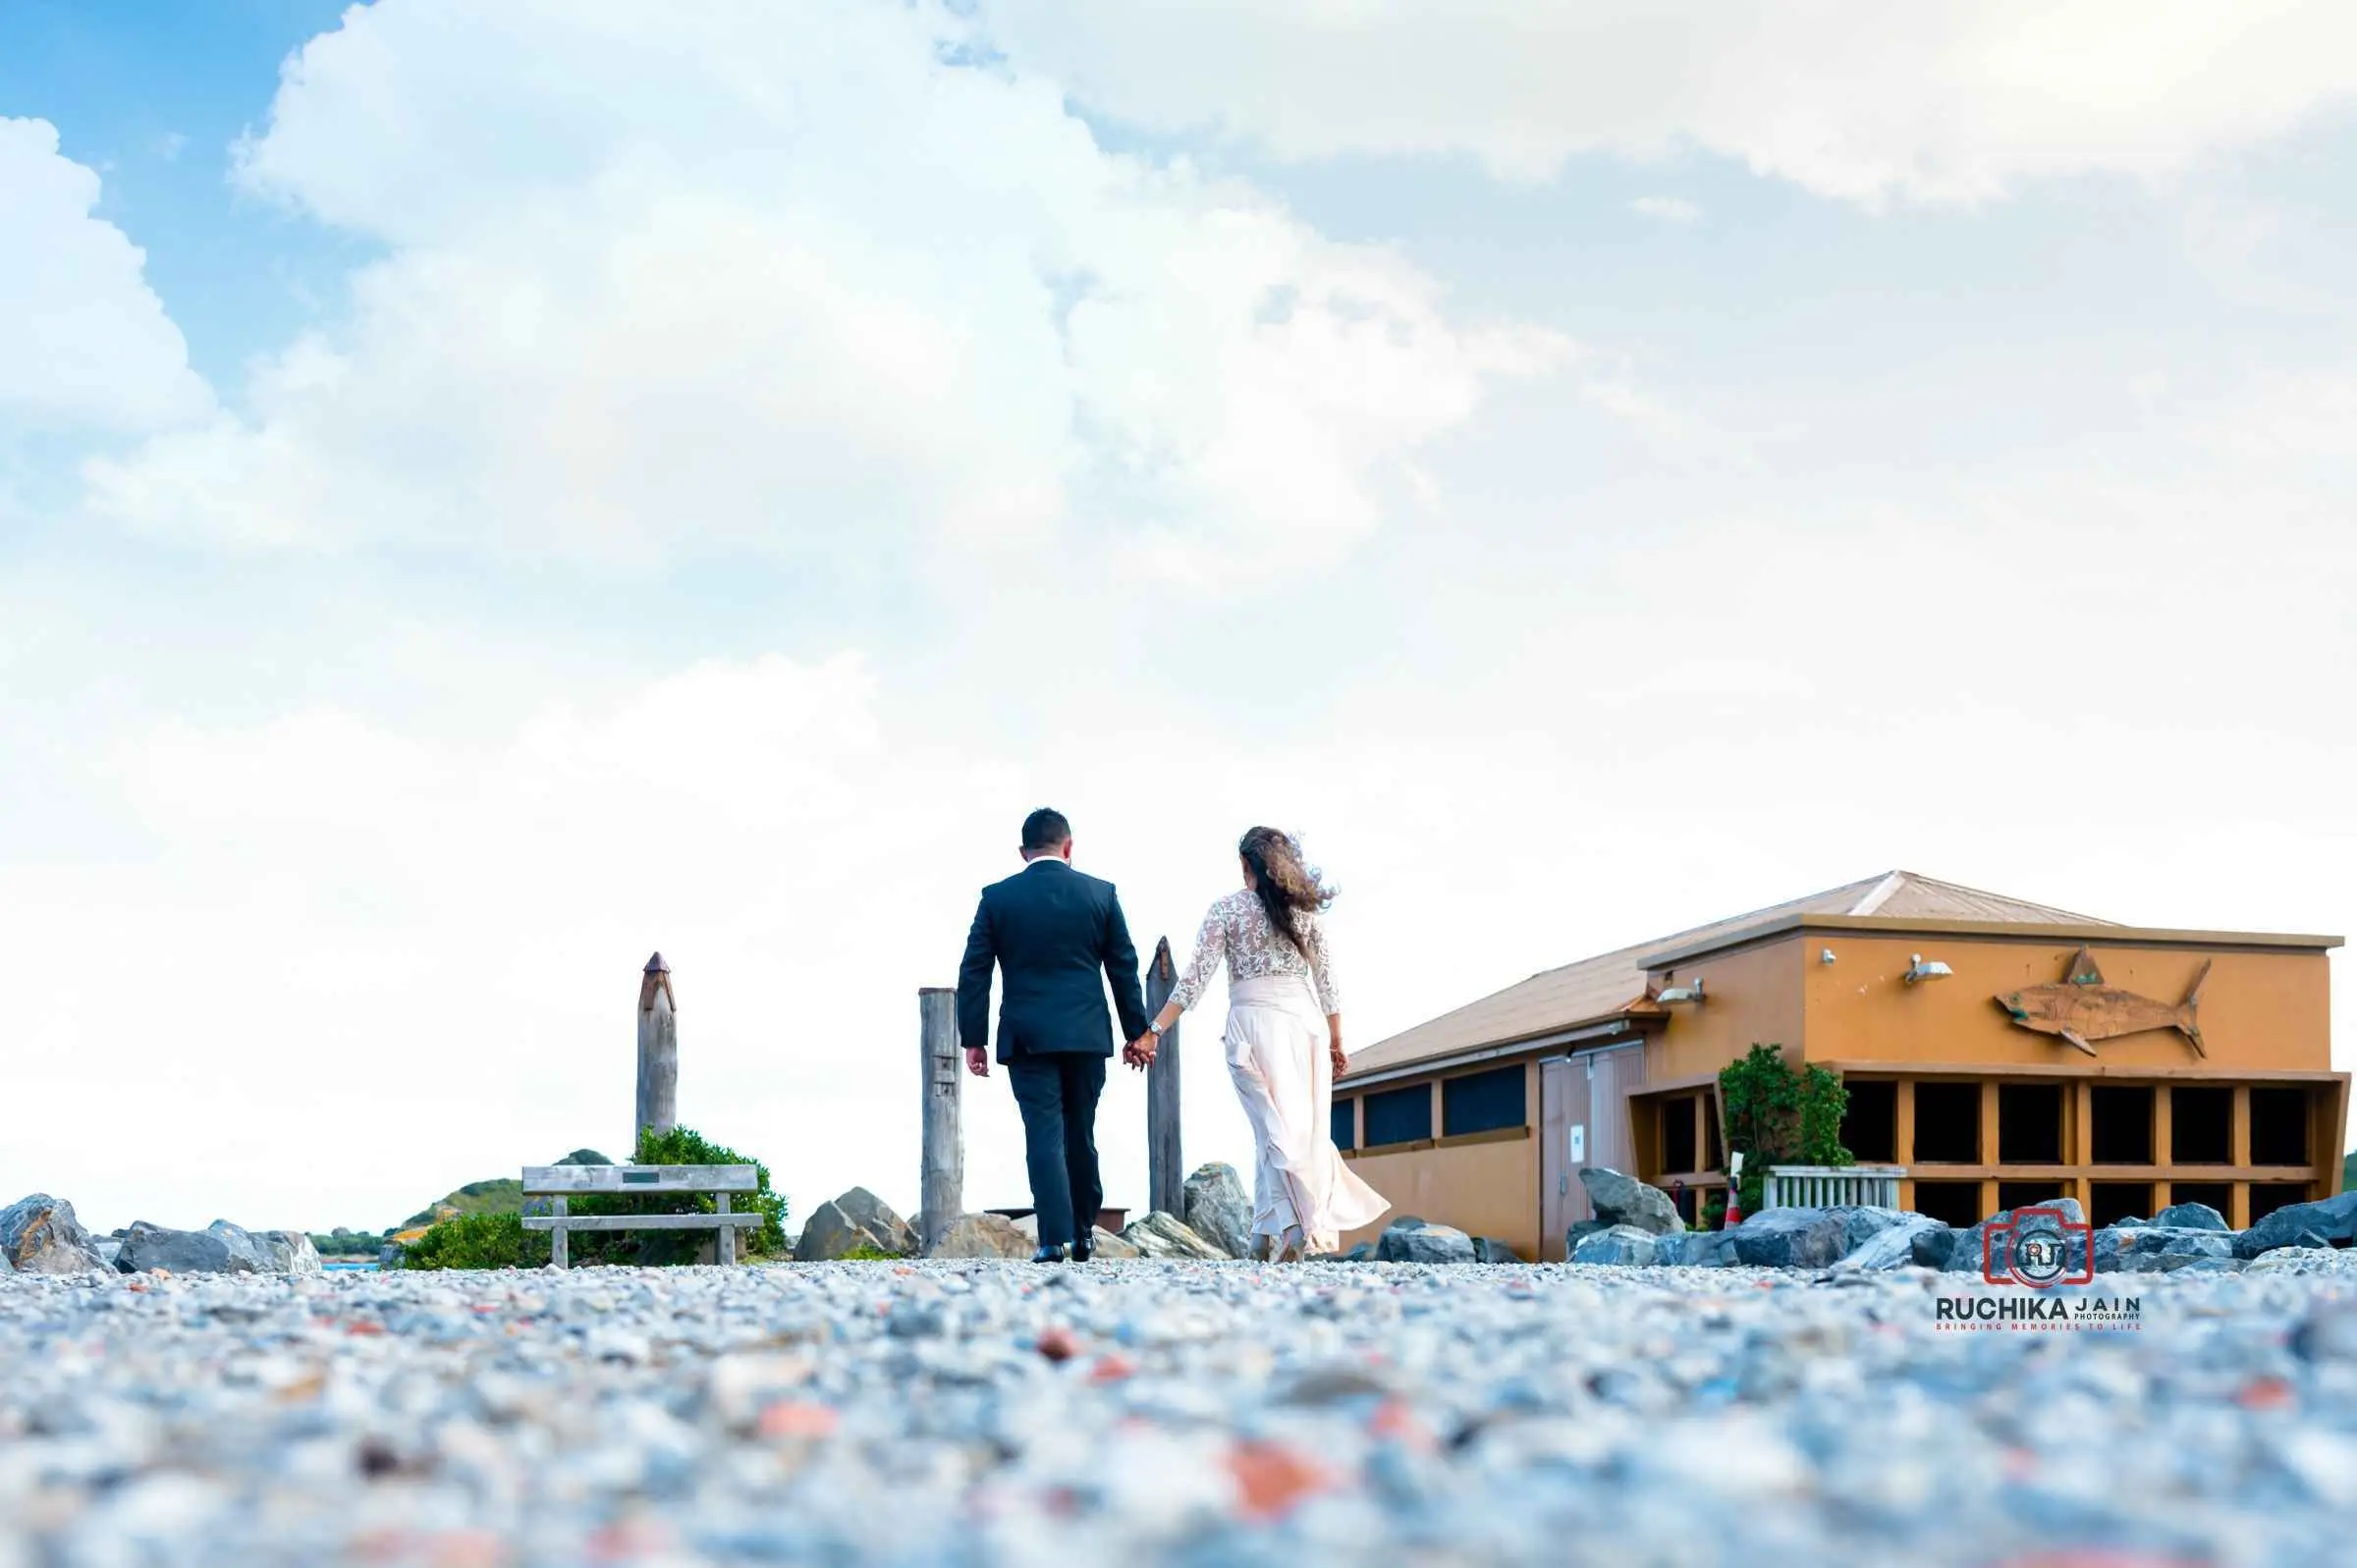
(1138, 1053)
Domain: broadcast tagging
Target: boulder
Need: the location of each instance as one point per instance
(830, 1235)
(1114, 1249)
(1364, 1251)
(39, 1235)
(210, 1250)
(1698, 1249)
(1166, 1236)
(1793, 1238)
(1621, 1200)
(1424, 1244)
(2191, 1217)
(2333, 1218)
(1217, 1211)
(1969, 1254)
(1489, 1249)
(1579, 1228)
(1892, 1247)
(980, 1236)
(1935, 1246)
(876, 1217)
(1625, 1246)
(290, 1252)
(2156, 1249)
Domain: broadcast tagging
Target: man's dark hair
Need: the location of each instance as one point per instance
(1044, 830)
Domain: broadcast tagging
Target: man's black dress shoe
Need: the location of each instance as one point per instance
(1052, 1254)
(1082, 1252)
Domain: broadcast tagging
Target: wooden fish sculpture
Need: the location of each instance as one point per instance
(2082, 1010)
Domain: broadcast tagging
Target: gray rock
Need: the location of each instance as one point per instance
(1105, 1244)
(2156, 1248)
(1217, 1211)
(388, 1255)
(1405, 1222)
(1699, 1249)
(1971, 1250)
(1935, 1246)
(1626, 1246)
(39, 1235)
(981, 1237)
(1793, 1238)
(289, 1252)
(585, 1157)
(1364, 1251)
(1891, 1247)
(1166, 1236)
(2191, 1217)
(2333, 1218)
(2305, 1261)
(876, 1217)
(210, 1250)
(249, 1255)
(1621, 1200)
(1424, 1244)
(830, 1235)
(1489, 1249)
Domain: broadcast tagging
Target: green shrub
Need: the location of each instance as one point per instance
(478, 1241)
(1776, 1117)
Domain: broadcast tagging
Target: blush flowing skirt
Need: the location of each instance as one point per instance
(1277, 1057)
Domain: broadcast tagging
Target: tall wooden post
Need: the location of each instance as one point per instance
(942, 1180)
(658, 1106)
(1165, 1167)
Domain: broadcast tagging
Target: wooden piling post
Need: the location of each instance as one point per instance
(942, 1180)
(658, 1107)
(1165, 1167)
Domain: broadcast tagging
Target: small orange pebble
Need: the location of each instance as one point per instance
(365, 1326)
(1394, 1421)
(2020, 1463)
(1058, 1344)
(466, 1548)
(799, 1419)
(2266, 1393)
(1112, 1368)
(627, 1538)
(1270, 1479)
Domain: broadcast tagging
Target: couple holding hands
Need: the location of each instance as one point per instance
(1051, 931)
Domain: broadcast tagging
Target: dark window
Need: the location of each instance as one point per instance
(1346, 1123)
(1713, 1147)
(1399, 1115)
(2201, 1129)
(2123, 1124)
(1870, 1126)
(1482, 1101)
(2279, 1127)
(1678, 1133)
(2219, 1195)
(1948, 1123)
(2268, 1196)
(2029, 1123)
(2012, 1195)
(2110, 1202)
(1951, 1203)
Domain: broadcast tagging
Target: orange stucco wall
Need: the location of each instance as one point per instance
(1483, 1189)
(2259, 1011)
(1751, 994)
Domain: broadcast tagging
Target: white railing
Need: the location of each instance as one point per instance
(1832, 1186)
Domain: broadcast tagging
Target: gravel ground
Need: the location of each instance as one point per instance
(1167, 1413)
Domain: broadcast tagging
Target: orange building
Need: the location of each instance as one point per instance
(1999, 1052)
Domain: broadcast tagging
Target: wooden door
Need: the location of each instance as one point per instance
(1613, 1076)
(1563, 1106)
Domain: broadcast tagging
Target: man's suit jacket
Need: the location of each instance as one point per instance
(1051, 931)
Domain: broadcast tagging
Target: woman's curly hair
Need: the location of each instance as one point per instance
(1286, 887)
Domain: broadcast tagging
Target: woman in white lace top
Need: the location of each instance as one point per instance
(1284, 1044)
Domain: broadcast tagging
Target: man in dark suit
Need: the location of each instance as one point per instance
(1052, 931)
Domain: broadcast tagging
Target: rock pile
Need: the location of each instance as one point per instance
(857, 1221)
(40, 1235)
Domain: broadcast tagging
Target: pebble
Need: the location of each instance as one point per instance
(978, 1413)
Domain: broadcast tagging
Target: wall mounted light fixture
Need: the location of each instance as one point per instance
(1920, 970)
(1678, 994)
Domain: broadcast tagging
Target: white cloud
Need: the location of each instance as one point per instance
(83, 341)
(741, 278)
(1669, 210)
(1943, 101)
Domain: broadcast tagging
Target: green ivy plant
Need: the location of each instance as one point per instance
(1777, 1116)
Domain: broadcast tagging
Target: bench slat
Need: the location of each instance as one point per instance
(639, 1221)
(539, 1180)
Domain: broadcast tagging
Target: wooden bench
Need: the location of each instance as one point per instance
(558, 1183)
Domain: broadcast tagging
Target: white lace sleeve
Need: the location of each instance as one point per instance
(1211, 945)
(1321, 970)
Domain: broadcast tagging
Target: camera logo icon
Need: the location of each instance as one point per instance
(2038, 1247)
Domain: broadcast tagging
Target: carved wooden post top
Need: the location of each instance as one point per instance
(658, 977)
(1163, 966)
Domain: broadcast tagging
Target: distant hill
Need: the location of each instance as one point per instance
(501, 1195)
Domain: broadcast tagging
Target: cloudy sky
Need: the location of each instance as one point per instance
(489, 488)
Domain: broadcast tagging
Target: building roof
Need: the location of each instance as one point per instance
(1557, 1001)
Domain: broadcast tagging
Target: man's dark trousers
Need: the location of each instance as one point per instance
(1058, 941)
(1057, 1095)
